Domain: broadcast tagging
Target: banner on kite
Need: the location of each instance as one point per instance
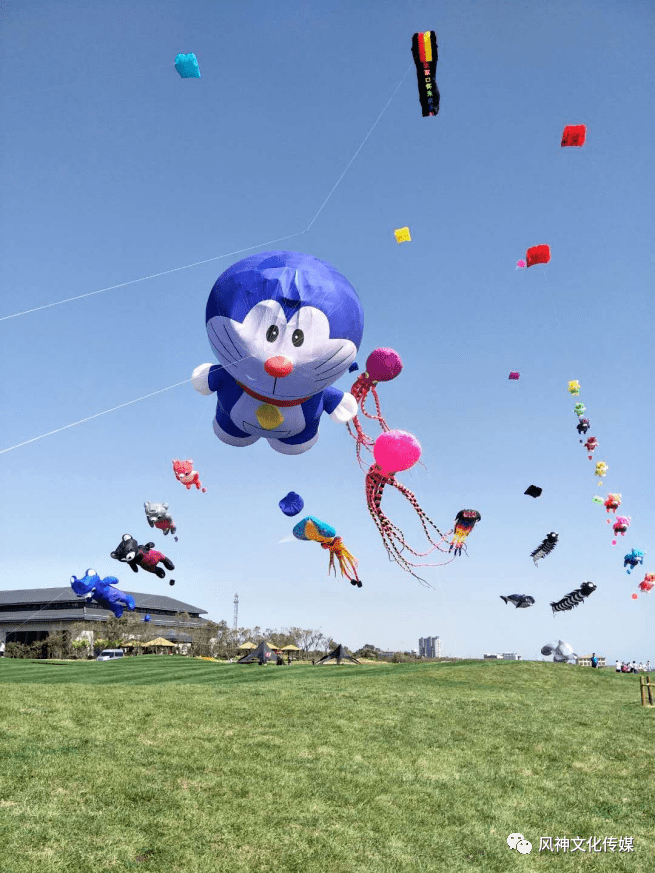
(424, 51)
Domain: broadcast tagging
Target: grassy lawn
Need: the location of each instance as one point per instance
(197, 767)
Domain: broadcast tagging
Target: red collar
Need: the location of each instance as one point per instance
(274, 401)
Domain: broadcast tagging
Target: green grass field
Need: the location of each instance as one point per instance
(174, 765)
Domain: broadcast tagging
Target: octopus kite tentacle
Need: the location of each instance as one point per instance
(382, 365)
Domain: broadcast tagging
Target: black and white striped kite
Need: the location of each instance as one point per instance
(575, 598)
(545, 548)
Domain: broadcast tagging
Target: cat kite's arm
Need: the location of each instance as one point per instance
(207, 378)
(340, 406)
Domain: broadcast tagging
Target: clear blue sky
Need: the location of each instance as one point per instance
(114, 168)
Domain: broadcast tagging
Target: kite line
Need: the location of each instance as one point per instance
(226, 254)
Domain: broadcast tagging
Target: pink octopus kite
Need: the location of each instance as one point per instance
(397, 450)
(382, 365)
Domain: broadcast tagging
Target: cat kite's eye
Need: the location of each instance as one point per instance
(298, 338)
(273, 333)
(130, 556)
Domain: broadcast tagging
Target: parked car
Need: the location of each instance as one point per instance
(110, 654)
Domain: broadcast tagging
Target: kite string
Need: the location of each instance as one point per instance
(113, 409)
(361, 146)
(226, 254)
(91, 417)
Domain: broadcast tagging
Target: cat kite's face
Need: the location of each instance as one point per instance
(284, 325)
(126, 550)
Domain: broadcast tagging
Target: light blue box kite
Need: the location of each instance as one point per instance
(187, 66)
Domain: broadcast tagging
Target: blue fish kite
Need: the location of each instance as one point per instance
(520, 601)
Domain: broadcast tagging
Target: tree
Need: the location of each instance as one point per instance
(368, 651)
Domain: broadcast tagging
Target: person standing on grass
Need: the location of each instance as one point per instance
(594, 660)
(648, 666)
(618, 666)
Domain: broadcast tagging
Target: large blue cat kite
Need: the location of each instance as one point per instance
(284, 327)
(103, 592)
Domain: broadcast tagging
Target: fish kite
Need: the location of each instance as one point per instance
(574, 598)
(520, 601)
(545, 547)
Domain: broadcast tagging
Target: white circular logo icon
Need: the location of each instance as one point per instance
(524, 847)
(513, 839)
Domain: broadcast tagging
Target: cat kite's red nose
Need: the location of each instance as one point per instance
(279, 366)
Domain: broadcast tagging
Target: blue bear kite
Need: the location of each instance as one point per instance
(103, 593)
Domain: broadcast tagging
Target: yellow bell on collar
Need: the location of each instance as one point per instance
(269, 416)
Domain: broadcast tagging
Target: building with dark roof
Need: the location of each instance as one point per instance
(30, 615)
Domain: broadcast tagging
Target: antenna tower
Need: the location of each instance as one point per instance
(236, 613)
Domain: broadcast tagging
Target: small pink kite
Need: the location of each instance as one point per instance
(514, 376)
(394, 451)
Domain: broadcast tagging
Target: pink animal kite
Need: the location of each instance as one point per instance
(612, 503)
(185, 474)
(382, 365)
(620, 526)
(397, 450)
(591, 445)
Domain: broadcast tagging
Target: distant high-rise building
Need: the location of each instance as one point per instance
(430, 647)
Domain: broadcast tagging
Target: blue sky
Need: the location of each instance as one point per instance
(113, 168)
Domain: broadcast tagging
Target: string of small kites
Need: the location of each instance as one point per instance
(613, 499)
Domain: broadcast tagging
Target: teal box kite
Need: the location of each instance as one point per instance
(187, 66)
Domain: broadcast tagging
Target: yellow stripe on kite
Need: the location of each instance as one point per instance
(427, 45)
